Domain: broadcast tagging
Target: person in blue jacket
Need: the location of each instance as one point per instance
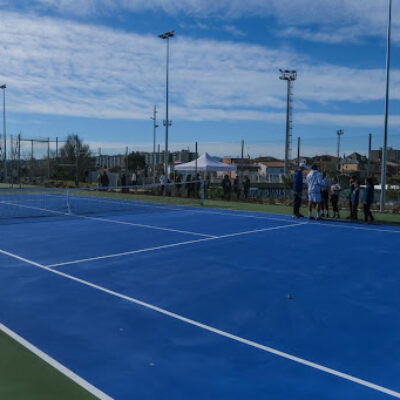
(368, 199)
(298, 189)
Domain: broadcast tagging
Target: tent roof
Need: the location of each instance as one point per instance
(205, 163)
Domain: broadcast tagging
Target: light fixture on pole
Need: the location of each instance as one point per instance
(385, 135)
(339, 133)
(289, 76)
(155, 126)
(167, 123)
(4, 133)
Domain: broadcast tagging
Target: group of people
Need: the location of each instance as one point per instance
(227, 187)
(321, 191)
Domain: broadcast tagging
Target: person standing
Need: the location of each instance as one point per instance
(298, 189)
(368, 199)
(226, 187)
(349, 196)
(355, 198)
(335, 191)
(314, 183)
(134, 178)
(246, 187)
(236, 187)
(105, 181)
(163, 182)
(325, 194)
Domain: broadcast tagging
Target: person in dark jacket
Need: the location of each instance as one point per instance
(349, 196)
(298, 189)
(105, 181)
(368, 199)
(226, 187)
(246, 187)
(236, 187)
(355, 198)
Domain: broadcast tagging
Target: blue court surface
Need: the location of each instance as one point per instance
(170, 302)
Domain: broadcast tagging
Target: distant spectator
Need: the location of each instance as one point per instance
(298, 189)
(314, 183)
(350, 193)
(236, 187)
(226, 187)
(134, 178)
(355, 198)
(335, 191)
(368, 199)
(124, 183)
(163, 182)
(178, 181)
(246, 187)
(325, 194)
(189, 185)
(198, 185)
(105, 181)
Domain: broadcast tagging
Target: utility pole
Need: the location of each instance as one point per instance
(241, 161)
(339, 133)
(288, 76)
(155, 126)
(4, 132)
(385, 136)
(167, 123)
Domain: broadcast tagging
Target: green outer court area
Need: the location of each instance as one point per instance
(24, 375)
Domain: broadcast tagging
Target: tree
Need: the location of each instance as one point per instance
(76, 159)
(136, 161)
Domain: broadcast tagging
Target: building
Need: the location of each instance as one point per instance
(354, 164)
(325, 163)
(393, 155)
(110, 162)
(245, 167)
(271, 171)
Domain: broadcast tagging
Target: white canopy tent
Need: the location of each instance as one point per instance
(205, 163)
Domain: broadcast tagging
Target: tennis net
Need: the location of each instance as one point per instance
(44, 202)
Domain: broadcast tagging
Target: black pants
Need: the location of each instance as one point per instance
(296, 203)
(335, 200)
(325, 201)
(367, 212)
(354, 210)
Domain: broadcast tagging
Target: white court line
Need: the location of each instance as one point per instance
(208, 328)
(128, 253)
(109, 220)
(55, 364)
(115, 221)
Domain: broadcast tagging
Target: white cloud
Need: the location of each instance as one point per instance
(338, 21)
(65, 68)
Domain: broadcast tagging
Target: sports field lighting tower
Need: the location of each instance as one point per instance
(4, 133)
(167, 123)
(155, 126)
(339, 133)
(289, 76)
(385, 135)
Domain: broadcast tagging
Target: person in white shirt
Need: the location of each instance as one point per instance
(134, 178)
(315, 183)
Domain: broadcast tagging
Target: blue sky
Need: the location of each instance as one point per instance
(96, 68)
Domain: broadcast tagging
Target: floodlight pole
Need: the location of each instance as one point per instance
(288, 76)
(385, 136)
(155, 126)
(167, 123)
(339, 133)
(4, 133)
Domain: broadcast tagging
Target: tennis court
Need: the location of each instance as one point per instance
(156, 301)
